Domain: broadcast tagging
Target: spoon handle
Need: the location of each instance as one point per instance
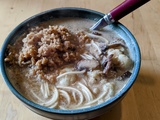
(118, 12)
(125, 8)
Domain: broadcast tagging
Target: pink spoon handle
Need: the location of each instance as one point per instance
(125, 8)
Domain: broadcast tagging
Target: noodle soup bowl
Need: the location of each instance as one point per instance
(77, 114)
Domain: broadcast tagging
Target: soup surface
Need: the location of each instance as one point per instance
(62, 64)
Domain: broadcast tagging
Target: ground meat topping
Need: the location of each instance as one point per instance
(50, 46)
(47, 48)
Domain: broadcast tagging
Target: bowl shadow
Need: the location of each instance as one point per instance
(113, 114)
(147, 77)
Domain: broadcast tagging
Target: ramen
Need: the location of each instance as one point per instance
(61, 64)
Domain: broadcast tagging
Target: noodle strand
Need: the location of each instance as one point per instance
(96, 46)
(99, 37)
(76, 90)
(95, 100)
(34, 94)
(86, 91)
(53, 99)
(54, 105)
(72, 72)
(65, 95)
(87, 56)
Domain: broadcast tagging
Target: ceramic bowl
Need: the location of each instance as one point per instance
(80, 114)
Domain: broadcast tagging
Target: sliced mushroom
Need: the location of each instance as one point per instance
(107, 64)
(87, 64)
(105, 60)
(115, 45)
(107, 67)
(104, 46)
(96, 33)
(126, 75)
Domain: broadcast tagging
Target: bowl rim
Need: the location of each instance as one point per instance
(77, 111)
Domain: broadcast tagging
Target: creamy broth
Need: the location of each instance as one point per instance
(81, 69)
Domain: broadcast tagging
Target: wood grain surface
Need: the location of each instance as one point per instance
(142, 102)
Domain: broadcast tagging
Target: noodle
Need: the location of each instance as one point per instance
(36, 96)
(86, 91)
(45, 89)
(95, 100)
(54, 105)
(104, 92)
(66, 96)
(98, 37)
(53, 99)
(95, 45)
(74, 90)
(72, 72)
(84, 81)
(87, 56)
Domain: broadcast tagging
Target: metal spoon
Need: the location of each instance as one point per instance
(118, 12)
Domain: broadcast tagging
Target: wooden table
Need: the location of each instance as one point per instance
(142, 101)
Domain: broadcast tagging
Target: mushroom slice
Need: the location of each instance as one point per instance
(87, 64)
(96, 33)
(104, 46)
(126, 75)
(105, 59)
(116, 45)
(107, 63)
